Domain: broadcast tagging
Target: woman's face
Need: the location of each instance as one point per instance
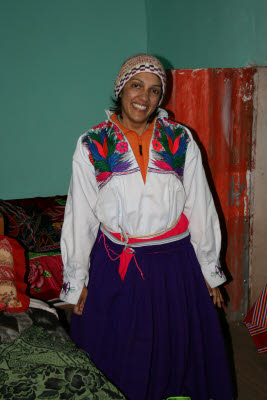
(140, 97)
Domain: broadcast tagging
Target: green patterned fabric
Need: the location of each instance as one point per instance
(38, 366)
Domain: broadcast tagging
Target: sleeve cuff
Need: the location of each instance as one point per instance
(213, 274)
(71, 290)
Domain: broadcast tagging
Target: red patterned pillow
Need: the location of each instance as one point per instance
(13, 296)
(45, 275)
(35, 222)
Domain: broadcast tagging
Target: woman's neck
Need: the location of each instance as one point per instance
(139, 129)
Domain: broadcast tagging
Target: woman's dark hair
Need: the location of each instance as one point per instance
(117, 109)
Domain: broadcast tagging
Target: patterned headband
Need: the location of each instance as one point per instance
(136, 64)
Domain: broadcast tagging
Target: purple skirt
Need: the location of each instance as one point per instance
(155, 337)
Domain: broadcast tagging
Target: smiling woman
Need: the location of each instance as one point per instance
(139, 99)
(140, 245)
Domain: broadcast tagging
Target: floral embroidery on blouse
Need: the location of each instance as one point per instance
(169, 148)
(219, 270)
(108, 152)
(156, 145)
(66, 288)
(122, 147)
(119, 136)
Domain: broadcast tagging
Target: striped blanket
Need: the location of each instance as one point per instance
(256, 322)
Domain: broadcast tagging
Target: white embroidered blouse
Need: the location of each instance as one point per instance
(107, 187)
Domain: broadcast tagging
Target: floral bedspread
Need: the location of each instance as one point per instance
(39, 364)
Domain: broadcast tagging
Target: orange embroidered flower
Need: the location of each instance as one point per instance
(156, 135)
(119, 135)
(156, 145)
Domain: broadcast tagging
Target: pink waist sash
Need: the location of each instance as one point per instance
(129, 242)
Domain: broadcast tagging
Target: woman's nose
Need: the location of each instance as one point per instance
(145, 94)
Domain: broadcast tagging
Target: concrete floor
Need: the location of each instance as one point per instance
(248, 368)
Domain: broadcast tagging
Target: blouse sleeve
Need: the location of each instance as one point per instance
(80, 226)
(203, 220)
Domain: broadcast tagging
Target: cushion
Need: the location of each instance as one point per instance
(35, 222)
(13, 296)
(45, 276)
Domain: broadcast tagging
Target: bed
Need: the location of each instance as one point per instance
(38, 360)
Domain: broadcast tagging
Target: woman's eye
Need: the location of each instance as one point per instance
(135, 85)
(156, 91)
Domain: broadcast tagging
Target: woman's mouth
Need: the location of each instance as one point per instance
(139, 107)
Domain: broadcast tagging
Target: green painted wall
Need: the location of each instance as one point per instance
(58, 62)
(208, 33)
(59, 59)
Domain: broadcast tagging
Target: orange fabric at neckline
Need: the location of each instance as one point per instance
(136, 141)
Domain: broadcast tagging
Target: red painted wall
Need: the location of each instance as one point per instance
(217, 104)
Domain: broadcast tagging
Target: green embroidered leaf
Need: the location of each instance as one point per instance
(36, 263)
(37, 290)
(47, 274)
(179, 161)
(178, 130)
(164, 142)
(95, 136)
(111, 143)
(102, 166)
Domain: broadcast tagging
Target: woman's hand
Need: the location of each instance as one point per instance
(216, 294)
(78, 308)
